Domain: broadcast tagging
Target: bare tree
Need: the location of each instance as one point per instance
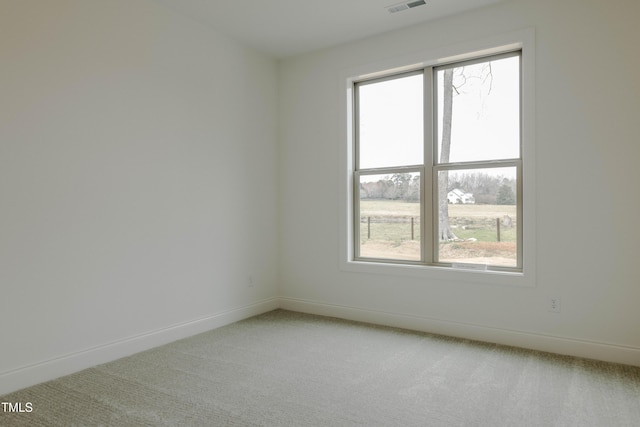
(486, 75)
(444, 229)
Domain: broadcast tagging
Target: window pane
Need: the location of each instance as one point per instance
(479, 111)
(477, 216)
(390, 123)
(390, 216)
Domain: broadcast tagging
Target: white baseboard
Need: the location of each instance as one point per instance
(548, 343)
(49, 369)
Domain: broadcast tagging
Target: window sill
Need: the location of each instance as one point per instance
(492, 277)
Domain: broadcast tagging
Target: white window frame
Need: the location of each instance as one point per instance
(504, 43)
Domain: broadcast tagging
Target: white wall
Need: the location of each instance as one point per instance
(587, 125)
(137, 182)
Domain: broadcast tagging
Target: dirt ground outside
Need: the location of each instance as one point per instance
(386, 233)
(489, 253)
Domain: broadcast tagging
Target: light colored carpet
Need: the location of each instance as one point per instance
(291, 369)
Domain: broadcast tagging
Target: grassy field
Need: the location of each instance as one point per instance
(386, 232)
(395, 208)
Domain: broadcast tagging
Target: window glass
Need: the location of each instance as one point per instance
(390, 122)
(390, 216)
(479, 104)
(477, 221)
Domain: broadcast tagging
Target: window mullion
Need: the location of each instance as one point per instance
(426, 198)
(356, 128)
(481, 164)
(356, 214)
(520, 213)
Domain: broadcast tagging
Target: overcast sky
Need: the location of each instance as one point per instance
(485, 121)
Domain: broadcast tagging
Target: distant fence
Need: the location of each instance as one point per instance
(412, 222)
(466, 223)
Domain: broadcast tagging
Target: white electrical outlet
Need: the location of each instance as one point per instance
(554, 305)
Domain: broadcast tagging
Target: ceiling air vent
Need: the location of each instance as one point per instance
(405, 5)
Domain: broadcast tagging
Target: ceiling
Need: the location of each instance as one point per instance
(287, 27)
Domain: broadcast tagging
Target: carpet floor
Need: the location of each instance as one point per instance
(291, 369)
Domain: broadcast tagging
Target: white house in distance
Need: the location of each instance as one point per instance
(458, 196)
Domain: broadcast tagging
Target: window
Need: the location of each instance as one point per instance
(437, 166)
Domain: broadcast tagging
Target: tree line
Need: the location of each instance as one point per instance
(487, 189)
